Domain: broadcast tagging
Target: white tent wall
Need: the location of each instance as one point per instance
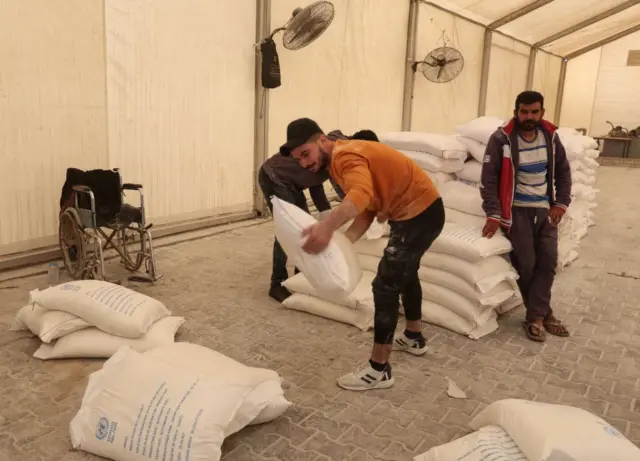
(439, 107)
(579, 91)
(546, 77)
(617, 98)
(507, 75)
(52, 101)
(350, 78)
(180, 86)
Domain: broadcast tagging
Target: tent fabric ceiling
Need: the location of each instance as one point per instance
(550, 19)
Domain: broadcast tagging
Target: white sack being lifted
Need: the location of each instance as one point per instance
(335, 270)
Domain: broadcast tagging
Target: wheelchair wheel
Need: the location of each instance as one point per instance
(72, 243)
(134, 247)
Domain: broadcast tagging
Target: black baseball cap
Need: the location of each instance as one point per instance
(299, 132)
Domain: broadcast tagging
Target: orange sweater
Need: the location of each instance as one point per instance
(378, 178)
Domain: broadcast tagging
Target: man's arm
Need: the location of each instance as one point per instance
(360, 225)
(562, 176)
(319, 198)
(490, 179)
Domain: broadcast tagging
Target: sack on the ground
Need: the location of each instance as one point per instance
(361, 295)
(335, 270)
(490, 443)
(464, 219)
(471, 171)
(440, 145)
(266, 395)
(462, 197)
(97, 344)
(476, 149)
(432, 163)
(360, 317)
(47, 325)
(546, 432)
(136, 409)
(107, 306)
(480, 129)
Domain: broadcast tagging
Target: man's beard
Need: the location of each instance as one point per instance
(527, 125)
(323, 161)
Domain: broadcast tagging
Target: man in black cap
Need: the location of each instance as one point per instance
(283, 177)
(379, 181)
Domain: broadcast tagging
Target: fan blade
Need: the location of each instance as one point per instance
(439, 72)
(431, 64)
(452, 60)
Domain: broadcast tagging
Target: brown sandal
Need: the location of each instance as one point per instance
(534, 332)
(555, 327)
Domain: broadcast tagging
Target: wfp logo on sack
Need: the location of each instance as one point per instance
(102, 428)
(69, 287)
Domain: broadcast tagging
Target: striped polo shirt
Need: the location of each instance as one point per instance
(531, 184)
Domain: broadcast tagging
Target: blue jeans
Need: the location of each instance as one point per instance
(285, 192)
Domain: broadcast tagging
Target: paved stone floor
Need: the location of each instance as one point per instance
(218, 284)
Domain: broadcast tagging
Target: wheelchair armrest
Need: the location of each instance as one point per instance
(129, 186)
(84, 189)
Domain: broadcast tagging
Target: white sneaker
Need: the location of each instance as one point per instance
(367, 379)
(412, 346)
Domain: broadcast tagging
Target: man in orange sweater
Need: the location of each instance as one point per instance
(377, 180)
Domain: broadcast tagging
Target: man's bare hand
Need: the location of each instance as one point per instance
(318, 237)
(490, 228)
(555, 215)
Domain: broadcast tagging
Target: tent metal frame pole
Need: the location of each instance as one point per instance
(518, 14)
(560, 94)
(531, 68)
(261, 106)
(484, 75)
(409, 73)
(586, 23)
(479, 24)
(604, 42)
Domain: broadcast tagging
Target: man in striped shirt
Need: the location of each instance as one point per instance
(526, 189)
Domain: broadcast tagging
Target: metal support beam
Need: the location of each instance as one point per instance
(604, 42)
(532, 67)
(409, 74)
(586, 23)
(518, 14)
(484, 75)
(261, 109)
(560, 93)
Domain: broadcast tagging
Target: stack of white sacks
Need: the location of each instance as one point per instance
(93, 319)
(466, 282)
(582, 152)
(441, 156)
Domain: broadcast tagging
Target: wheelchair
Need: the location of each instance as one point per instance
(95, 218)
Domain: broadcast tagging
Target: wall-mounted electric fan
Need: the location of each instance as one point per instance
(441, 65)
(303, 28)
